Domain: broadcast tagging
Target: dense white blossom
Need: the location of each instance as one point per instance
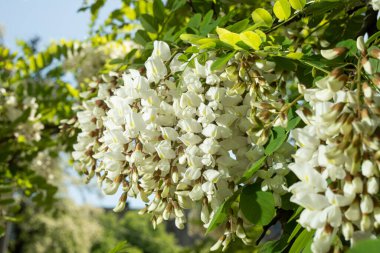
(173, 141)
(337, 160)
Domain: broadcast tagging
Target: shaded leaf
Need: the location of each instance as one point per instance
(277, 138)
(221, 214)
(257, 206)
(255, 167)
(221, 62)
(302, 241)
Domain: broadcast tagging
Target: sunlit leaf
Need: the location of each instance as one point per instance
(297, 4)
(252, 39)
(282, 9)
(262, 17)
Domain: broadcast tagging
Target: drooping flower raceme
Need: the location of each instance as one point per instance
(179, 137)
(337, 162)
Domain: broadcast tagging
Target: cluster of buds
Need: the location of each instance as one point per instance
(338, 159)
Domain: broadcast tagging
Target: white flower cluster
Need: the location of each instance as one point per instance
(182, 139)
(87, 60)
(338, 160)
(30, 128)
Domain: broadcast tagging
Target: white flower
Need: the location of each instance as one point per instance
(155, 69)
(169, 133)
(209, 146)
(190, 126)
(162, 50)
(165, 151)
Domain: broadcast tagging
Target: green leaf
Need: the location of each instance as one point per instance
(256, 205)
(367, 246)
(221, 62)
(178, 4)
(141, 37)
(238, 26)
(302, 241)
(282, 9)
(192, 38)
(374, 36)
(262, 17)
(297, 4)
(221, 214)
(277, 138)
(228, 37)
(252, 39)
(293, 120)
(195, 21)
(255, 167)
(158, 10)
(149, 23)
(294, 232)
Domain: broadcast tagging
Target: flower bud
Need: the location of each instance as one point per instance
(122, 201)
(205, 213)
(331, 54)
(360, 44)
(179, 223)
(240, 232)
(218, 244)
(227, 241)
(372, 185)
(357, 184)
(347, 230)
(353, 212)
(375, 53)
(178, 211)
(167, 211)
(367, 66)
(368, 168)
(165, 191)
(159, 219)
(366, 223)
(367, 91)
(366, 204)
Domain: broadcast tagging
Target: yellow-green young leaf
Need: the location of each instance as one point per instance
(252, 39)
(262, 17)
(262, 35)
(206, 45)
(74, 92)
(32, 63)
(40, 61)
(282, 9)
(191, 38)
(297, 4)
(207, 42)
(228, 37)
(295, 56)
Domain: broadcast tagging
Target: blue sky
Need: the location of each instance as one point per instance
(49, 19)
(54, 20)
